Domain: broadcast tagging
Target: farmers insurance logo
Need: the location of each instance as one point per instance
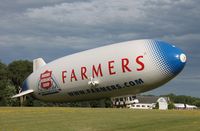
(47, 84)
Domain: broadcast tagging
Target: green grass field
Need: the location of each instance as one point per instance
(96, 119)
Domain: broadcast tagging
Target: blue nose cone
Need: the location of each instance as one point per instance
(175, 58)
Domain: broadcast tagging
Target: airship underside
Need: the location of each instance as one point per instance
(119, 69)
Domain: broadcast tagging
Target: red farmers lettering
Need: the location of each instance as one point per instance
(73, 76)
(125, 63)
(83, 73)
(96, 72)
(110, 67)
(140, 63)
(64, 76)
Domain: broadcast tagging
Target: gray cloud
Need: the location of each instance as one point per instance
(51, 29)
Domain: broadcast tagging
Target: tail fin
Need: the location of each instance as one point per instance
(38, 63)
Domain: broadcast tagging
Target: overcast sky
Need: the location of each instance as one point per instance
(54, 28)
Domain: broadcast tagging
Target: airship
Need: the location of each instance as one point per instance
(124, 68)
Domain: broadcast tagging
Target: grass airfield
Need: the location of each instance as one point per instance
(96, 119)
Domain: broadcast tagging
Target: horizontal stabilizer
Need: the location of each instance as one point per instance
(23, 93)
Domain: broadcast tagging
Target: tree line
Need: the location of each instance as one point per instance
(11, 78)
(184, 99)
(13, 75)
